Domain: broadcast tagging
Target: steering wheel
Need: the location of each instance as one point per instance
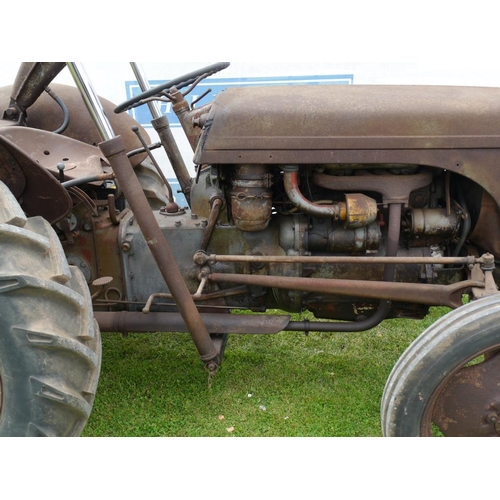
(179, 83)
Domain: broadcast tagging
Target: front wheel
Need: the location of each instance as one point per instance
(50, 351)
(447, 382)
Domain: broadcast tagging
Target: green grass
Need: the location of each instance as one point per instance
(279, 385)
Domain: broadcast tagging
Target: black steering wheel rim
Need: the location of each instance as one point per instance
(179, 83)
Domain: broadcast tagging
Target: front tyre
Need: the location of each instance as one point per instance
(50, 351)
(447, 382)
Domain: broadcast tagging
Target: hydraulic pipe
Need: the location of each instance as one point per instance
(212, 220)
(31, 80)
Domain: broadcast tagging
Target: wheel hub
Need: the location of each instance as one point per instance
(469, 403)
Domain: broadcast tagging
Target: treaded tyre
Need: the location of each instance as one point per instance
(447, 381)
(50, 349)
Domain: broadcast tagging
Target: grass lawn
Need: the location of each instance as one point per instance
(279, 385)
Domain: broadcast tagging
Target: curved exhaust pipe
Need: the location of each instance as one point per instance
(358, 210)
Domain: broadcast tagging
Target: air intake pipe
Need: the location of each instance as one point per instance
(358, 210)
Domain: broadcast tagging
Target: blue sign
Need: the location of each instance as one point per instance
(216, 85)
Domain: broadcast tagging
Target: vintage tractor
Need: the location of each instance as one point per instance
(354, 203)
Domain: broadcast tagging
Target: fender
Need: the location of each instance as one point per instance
(45, 114)
(28, 165)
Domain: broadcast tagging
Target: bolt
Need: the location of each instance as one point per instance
(212, 367)
(61, 167)
(126, 246)
(178, 223)
(492, 418)
(87, 226)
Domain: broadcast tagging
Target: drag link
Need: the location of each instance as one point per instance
(202, 258)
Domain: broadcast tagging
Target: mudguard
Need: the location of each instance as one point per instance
(28, 165)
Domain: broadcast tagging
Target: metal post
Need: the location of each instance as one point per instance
(91, 100)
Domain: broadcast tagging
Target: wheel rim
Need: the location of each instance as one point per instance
(467, 401)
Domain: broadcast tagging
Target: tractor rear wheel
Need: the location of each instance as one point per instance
(50, 350)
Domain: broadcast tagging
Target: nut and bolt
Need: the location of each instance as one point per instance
(212, 367)
(492, 418)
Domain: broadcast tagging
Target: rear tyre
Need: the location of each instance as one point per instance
(50, 350)
(446, 382)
